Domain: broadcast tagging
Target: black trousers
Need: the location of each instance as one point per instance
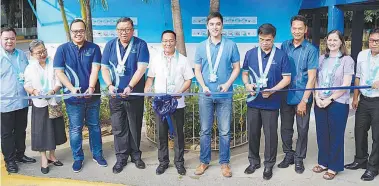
(177, 119)
(256, 118)
(367, 116)
(126, 117)
(13, 134)
(287, 115)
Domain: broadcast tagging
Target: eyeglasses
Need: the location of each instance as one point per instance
(125, 30)
(76, 32)
(376, 41)
(40, 53)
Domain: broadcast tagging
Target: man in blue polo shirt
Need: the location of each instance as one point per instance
(303, 58)
(77, 64)
(124, 64)
(268, 69)
(216, 68)
(14, 113)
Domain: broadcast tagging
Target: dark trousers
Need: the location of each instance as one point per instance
(287, 114)
(126, 117)
(256, 118)
(330, 128)
(13, 126)
(367, 116)
(177, 119)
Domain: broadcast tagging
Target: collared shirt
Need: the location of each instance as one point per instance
(139, 55)
(182, 72)
(11, 65)
(364, 68)
(280, 67)
(77, 65)
(302, 58)
(43, 79)
(229, 56)
(327, 65)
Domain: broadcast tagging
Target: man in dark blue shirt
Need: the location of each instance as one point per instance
(124, 64)
(268, 69)
(303, 57)
(77, 64)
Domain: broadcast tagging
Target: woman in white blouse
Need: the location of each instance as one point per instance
(40, 79)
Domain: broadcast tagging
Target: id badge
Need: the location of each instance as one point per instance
(263, 82)
(212, 78)
(171, 88)
(21, 77)
(120, 70)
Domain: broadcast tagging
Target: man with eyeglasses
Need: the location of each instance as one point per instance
(366, 101)
(14, 113)
(124, 64)
(77, 64)
(170, 72)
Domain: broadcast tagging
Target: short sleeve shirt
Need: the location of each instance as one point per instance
(366, 69)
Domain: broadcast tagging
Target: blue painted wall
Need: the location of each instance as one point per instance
(309, 4)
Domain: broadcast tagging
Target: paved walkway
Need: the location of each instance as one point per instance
(92, 174)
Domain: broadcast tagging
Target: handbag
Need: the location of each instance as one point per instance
(55, 111)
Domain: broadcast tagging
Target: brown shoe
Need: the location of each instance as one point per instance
(201, 169)
(226, 171)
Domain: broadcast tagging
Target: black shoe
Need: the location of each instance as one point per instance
(11, 167)
(45, 170)
(369, 175)
(161, 169)
(299, 167)
(56, 163)
(251, 168)
(267, 173)
(286, 162)
(355, 165)
(139, 164)
(119, 166)
(181, 170)
(25, 159)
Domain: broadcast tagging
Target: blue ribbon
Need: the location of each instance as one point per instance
(164, 106)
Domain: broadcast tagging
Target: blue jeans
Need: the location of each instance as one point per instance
(207, 107)
(77, 115)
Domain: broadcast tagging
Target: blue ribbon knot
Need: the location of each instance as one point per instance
(164, 106)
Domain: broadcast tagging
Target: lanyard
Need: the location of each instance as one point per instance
(373, 71)
(121, 62)
(328, 75)
(213, 70)
(264, 74)
(44, 77)
(170, 73)
(18, 67)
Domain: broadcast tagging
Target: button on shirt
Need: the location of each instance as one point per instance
(181, 69)
(77, 65)
(139, 54)
(365, 69)
(302, 58)
(280, 67)
(11, 65)
(326, 66)
(230, 55)
(44, 79)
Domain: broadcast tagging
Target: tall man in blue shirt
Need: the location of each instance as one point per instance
(268, 69)
(14, 113)
(303, 57)
(124, 64)
(77, 64)
(216, 67)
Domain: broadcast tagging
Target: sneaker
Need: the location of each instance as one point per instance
(100, 161)
(77, 166)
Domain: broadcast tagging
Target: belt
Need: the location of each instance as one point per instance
(369, 98)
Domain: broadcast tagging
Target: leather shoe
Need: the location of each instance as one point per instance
(139, 164)
(11, 167)
(251, 168)
(299, 167)
(119, 166)
(45, 170)
(267, 173)
(56, 163)
(286, 162)
(369, 175)
(201, 169)
(226, 171)
(25, 159)
(355, 165)
(181, 170)
(161, 169)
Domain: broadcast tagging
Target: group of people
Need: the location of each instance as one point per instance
(123, 63)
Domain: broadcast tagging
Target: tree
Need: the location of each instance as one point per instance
(178, 27)
(86, 7)
(214, 5)
(64, 18)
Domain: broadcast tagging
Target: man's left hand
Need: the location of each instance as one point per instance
(375, 85)
(224, 87)
(267, 93)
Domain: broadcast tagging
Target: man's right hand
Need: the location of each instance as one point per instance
(75, 90)
(112, 91)
(302, 108)
(206, 91)
(250, 88)
(36, 92)
(354, 103)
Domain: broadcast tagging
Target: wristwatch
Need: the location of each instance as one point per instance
(332, 100)
(305, 100)
(131, 88)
